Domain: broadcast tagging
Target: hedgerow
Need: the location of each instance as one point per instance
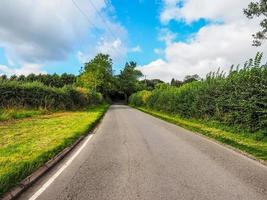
(238, 99)
(36, 95)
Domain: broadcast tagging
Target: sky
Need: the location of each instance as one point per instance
(167, 38)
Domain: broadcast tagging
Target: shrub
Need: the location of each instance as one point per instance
(140, 98)
(239, 99)
(36, 95)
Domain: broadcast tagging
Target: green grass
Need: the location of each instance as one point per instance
(7, 114)
(245, 142)
(26, 144)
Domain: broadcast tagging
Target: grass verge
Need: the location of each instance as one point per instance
(7, 114)
(26, 144)
(242, 141)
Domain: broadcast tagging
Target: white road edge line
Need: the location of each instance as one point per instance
(51, 180)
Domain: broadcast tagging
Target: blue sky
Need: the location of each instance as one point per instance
(167, 38)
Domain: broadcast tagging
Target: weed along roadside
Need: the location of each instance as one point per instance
(28, 143)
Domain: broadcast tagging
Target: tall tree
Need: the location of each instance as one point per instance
(97, 74)
(128, 79)
(258, 9)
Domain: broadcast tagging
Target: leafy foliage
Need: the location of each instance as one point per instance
(239, 99)
(128, 79)
(151, 84)
(37, 95)
(53, 80)
(97, 74)
(258, 9)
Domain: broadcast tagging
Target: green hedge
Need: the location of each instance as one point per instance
(239, 99)
(36, 95)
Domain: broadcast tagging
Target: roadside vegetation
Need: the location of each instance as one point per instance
(235, 103)
(9, 114)
(28, 143)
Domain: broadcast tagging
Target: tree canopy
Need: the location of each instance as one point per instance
(258, 9)
(128, 79)
(97, 74)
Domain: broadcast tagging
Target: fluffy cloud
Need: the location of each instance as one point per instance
(166, 36)
(115, 48)
(192, 10)
(215, 45)
(40, 31)
(26, 69)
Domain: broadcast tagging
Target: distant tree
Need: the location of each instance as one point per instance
(4, 77)
(150, 84)
(13, 78)
(162, 86)
(21, 78)
(258, 9)
(176, 83)
(97, 74)
(31, 77)
(53, 80)
(191, 78)
(68, 79)
(128, 79)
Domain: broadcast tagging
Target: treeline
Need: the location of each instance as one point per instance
(238, 99)
(95, 83)
(52, 80)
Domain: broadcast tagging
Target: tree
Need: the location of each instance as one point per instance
(176, 83)
(31, 77)
(13, 77)
(3, 77)
(128, 79)
(150, 84)
(21, 78)
(258, 9)
(191, 78)
(97, 74)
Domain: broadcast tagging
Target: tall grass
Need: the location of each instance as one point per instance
(36, 95)
(238, 99)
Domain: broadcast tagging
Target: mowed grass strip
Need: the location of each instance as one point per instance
(26, 144)
(8, 114)
(243, 142)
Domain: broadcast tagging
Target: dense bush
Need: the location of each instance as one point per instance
(239, 99)
(36, 95)
(140, 98)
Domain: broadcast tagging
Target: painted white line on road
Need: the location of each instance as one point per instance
(51, 180)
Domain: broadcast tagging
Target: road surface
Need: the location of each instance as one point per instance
(133, 155)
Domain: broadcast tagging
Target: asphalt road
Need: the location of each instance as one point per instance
(136, 156)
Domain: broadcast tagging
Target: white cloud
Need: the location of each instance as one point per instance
(215, 45)
(40, 31)
(192, 10)
(166, 36)
(135, 49)
(26, 69)
(115, 48)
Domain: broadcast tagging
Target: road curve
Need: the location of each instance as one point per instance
(136, 156)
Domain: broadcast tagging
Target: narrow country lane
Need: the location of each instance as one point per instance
(133, 155)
